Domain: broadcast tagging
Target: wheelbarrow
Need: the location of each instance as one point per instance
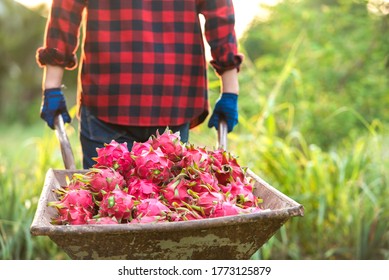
(231, 237)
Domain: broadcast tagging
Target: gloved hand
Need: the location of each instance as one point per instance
(226, 108)
(54, 103)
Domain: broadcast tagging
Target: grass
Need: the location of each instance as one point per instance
(343, 192)
(25, 156)
(343, 189)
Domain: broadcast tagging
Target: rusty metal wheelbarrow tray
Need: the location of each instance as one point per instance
(232, 237)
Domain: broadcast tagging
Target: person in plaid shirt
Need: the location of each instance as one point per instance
(143, 67)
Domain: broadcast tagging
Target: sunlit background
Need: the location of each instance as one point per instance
(313, 123)
(245, 10)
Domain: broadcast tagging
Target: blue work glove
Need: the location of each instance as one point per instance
(226, 108)
(54, 103)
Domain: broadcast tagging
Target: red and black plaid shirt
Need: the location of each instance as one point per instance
(143, 61)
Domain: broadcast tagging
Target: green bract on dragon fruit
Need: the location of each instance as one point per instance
(161, 180)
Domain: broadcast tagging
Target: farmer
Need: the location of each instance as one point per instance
(142, 68)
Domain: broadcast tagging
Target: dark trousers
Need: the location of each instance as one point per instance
(94, 133)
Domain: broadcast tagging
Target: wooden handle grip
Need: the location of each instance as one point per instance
(66, 149)
(222, 135)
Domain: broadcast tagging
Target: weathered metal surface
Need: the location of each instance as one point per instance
(232, 237)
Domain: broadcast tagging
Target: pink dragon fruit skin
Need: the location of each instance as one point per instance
(118, 204)
(151, 207)
(142, 188)
(125, 164)
(242, 193)
(115, 155)
(207, 201)
(227, 208)
(223, 174)
(74, 207)
(170, 144)
(73, 215)
(195, 156)
(103, 180)
(176, 192)
(75, 184)
(79, 215)
(139, 148)
(150, 210)
(160, 180)
(201, 181)
(148, 220)
(75, 197)
(103, 221)
(184, 214)
(153, 165)
(226, 166)
(190, 216)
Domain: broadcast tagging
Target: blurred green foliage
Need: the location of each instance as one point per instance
(313, 123)
(21, 34)
(342, 70)
(20, 79)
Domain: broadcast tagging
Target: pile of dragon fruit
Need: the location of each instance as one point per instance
(161, 180)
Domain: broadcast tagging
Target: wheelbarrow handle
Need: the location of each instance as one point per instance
(222, 134)
(66, 149)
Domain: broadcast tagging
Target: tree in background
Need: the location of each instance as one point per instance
(20, 79)
(21, 33)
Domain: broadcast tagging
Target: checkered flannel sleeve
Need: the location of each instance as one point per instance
(220, 33)
(62, 34)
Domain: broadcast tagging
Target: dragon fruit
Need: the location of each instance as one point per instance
(208, 201)
(103, 180)
(160, 180)
(76, 184)
(195, 156)
(102, 221)
(118, 204)
(115, 155)
(170, 144)
(72, 215)
(184, 214)
(149, 210)
(138, 148)
(241, 193)
(74, 197)
(201, 181)
(75, 206)
(176, 192)
(142, 188)
(226, 167)
(153, 165)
